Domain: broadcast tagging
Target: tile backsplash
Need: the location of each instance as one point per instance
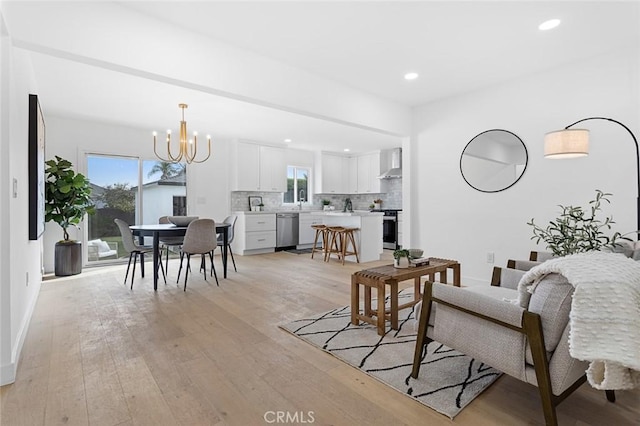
(391, 198)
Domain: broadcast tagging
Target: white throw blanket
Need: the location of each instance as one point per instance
(605, 314)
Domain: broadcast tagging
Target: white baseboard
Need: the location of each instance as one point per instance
(9, 370)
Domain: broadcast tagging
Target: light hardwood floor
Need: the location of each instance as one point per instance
(100, 354)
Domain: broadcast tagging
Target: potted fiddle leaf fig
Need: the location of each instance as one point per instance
(67, 201)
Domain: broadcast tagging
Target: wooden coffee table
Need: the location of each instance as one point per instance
(388, 275)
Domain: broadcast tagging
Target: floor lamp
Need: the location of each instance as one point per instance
(573, 143)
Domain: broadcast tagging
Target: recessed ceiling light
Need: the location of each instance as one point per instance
(550, 24)
(287, 140)
(411, 76)
(347, 150)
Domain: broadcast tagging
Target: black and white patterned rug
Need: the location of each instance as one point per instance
(448, 380)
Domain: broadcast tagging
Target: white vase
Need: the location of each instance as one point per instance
(402, 262)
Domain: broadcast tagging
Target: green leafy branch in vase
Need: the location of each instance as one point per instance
(577, 230)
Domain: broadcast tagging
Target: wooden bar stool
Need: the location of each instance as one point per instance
(321, 230)
(334, 237)
(347, 238)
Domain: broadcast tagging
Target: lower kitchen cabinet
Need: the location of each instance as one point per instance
(255, 233)
(306, 233)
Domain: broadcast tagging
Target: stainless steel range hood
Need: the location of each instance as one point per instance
(395, 170)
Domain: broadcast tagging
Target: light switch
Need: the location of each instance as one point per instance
(15, 188)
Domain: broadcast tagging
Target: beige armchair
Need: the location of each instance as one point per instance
(529, 343)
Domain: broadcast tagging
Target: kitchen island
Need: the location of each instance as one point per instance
(368, 237)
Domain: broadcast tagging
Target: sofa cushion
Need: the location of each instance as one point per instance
(103, 246)
(500, 293)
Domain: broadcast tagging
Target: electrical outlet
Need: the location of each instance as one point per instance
(490, 257)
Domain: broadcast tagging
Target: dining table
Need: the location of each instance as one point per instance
(158, 230)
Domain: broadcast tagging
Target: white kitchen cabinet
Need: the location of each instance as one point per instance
(255, 233)
(368, 172)
(273, 169)
(247, 167)
(259, 168)
(333, 171)
(348, 175)
(352, 180)
(306, 233)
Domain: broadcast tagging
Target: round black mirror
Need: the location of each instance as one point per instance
(493, 160)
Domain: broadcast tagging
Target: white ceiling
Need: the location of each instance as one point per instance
(455, 46)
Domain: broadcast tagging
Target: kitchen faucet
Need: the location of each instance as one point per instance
(347, 205)
(301, 195)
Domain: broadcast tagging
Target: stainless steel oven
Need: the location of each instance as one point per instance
(390, 229)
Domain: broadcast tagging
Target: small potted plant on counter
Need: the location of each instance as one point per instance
(401, 258)
(377, 204)
(325, 204)
(260, 207)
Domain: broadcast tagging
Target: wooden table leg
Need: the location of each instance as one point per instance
(456, 275)
(416, 289)
(381, 310)
(355, 300)
(394, 303)
(367, 301)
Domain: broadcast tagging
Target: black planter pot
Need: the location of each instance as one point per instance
(68, 258)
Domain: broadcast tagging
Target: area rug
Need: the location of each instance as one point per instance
(448, 380)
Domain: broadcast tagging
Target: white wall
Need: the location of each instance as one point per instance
(451, 219)
(158, 201)
(20, 259)
(208, 184)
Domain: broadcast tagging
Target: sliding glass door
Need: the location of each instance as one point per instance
(134, 190)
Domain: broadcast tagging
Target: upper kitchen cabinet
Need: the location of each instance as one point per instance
(247, 167)
(348, 175)
(259, 168)
(273, 169)
(368, 172)
(332, 174)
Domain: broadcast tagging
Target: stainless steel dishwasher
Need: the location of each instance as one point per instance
(286, 229)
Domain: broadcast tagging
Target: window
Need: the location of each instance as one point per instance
(134, 190)
(179, 205)
(297, 184)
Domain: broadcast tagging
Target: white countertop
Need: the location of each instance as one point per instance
(353, 213)
(316, 212)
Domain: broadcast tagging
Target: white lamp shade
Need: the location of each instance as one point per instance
(566, 143)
